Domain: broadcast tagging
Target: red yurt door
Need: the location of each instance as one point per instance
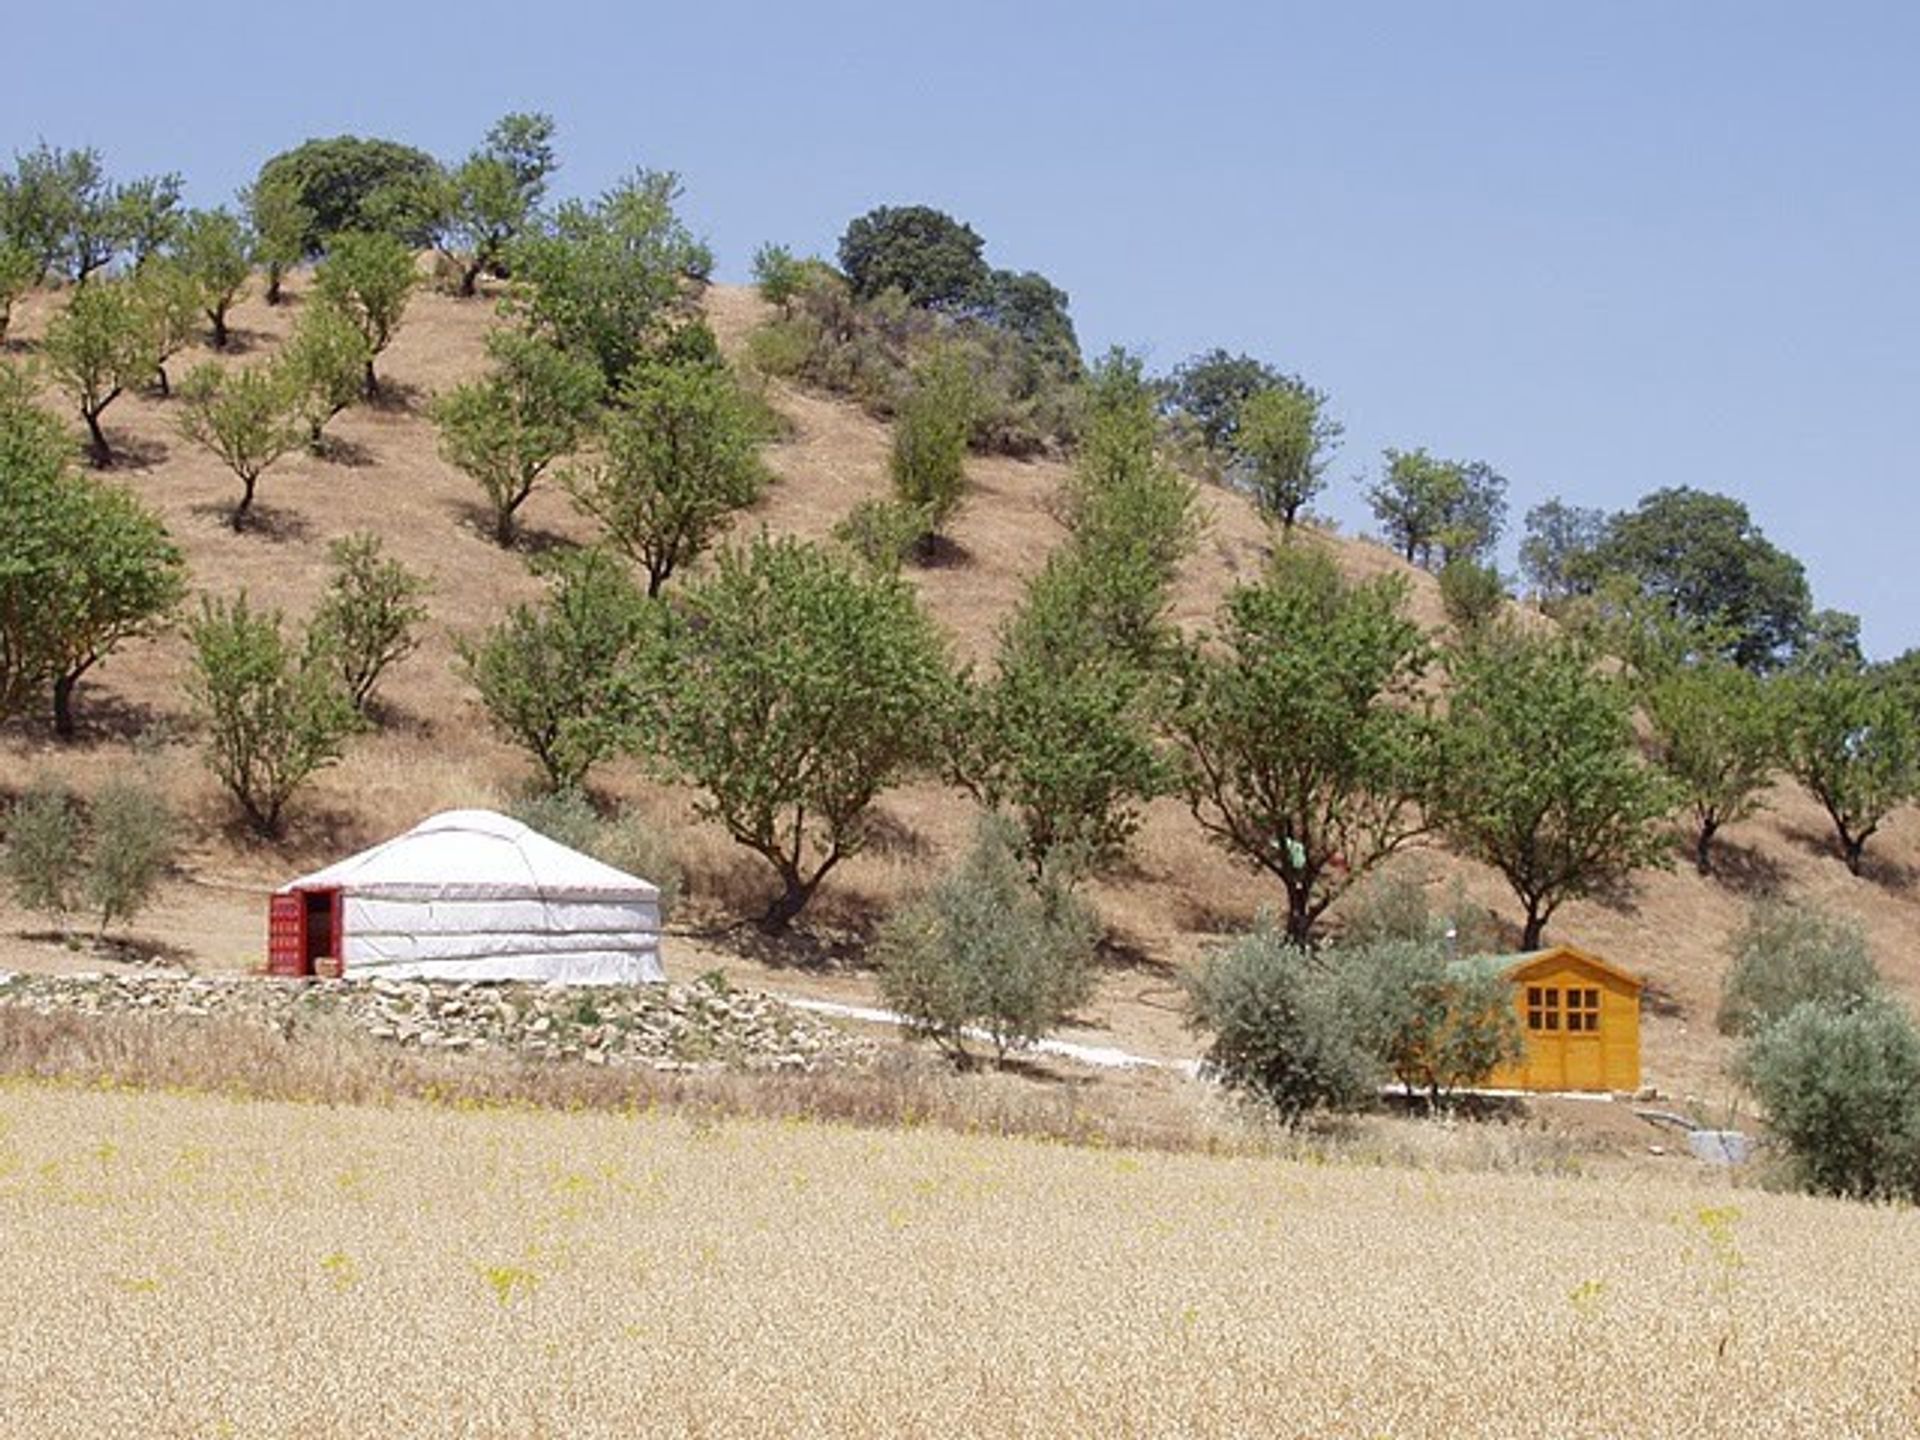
(303, 933)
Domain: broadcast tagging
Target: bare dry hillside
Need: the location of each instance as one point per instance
(1176, 896)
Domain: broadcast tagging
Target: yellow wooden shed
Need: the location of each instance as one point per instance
(1580, 1018)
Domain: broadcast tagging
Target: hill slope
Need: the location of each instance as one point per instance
(1176, 896)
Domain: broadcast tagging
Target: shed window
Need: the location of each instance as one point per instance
(1583, 1010)
(1543, 1007)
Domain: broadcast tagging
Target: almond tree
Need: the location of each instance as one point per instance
(322, 366)
(212, 247)
(241, 416)
(368, 278)
(95, 347)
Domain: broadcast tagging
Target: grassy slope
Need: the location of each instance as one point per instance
(1177, 894)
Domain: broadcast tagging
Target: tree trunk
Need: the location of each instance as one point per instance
(246, 504)
(1535, 927)
(788, 903)
(63, 686)
(503, 527)
(98, 450)
(1300, 916)
(1703, 847)
(373, 381)
(220, 328)
(273, 284)
(470, 281)
(166, 385)
(1853, 846)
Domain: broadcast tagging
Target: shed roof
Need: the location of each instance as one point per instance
(475, 854)
(1515, 966)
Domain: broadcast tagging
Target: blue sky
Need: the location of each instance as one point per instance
(1606, 248)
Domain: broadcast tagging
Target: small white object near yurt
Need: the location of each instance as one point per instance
(469, 895)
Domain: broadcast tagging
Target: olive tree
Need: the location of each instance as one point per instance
(506, 429)
(800, 687)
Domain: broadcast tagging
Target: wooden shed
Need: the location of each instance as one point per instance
(1580, 1018)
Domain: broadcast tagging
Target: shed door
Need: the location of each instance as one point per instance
(322, 949)
(1585, 1060)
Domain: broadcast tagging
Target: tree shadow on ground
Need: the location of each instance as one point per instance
(528, 541)
(133, 452)
(944, 553)
(1742, 869)
(396, 397)
(337, 450)
(1877, 869)
(273, 523)
(99, 718)
(1657, 999)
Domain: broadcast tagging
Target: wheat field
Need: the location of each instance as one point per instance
(190, 1266)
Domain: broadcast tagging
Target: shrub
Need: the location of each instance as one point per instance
(1788, 955)
(1471, 594)
(881, 533)
(623, 840)
(778, 274)
(930, 441)
(132, 845)
(369, 617)
(19, 273)
(42, 858)
(272, 717)
(1284, 1026)
(1841, 1085)
(1436, 1024)
(986, 950)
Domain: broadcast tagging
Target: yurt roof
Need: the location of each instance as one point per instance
(475, 854)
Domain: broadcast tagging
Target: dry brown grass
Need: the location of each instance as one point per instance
(180, 1266)
(1177, 896)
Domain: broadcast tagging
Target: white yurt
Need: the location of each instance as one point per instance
(468, 895)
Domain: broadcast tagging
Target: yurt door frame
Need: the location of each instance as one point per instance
(304, 933)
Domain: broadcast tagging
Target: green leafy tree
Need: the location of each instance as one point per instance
(61, 205)
(1284, 1026)
(242, 416)
(779, 274)
(605, 280)
(40, 502)
(131, 846)
(272, 713)
(1437, 1024)
(681, 457)
(1559, 554)
(1540, 776)
(1305, 744)
(1716, 733)
(928, 461)
(1789, 954)
(523, 141)
(100, 343)
(120, 578)
(984, 950)
(1702, 554)
(212, 247)
(1438, 510)
(369, 617)
(168, 299)
(1282, 444)
(281, 223)
(1032, 310)
(801, 688)
(1839, 1082)
(493, 193)
(42, 858)
(927, 255)
(1208, 391)
(348, 184)
(1854, 747)
(19, 273)
(565, 679)
(507, 429)
(144, 216)
(368, 277)
(323, 366)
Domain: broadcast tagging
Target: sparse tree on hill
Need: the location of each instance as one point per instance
(280, 224)
(145, 217)
(494, 192)
(95, 347)
(348, 183)
(369, 618)
(1307, 753)
(1540, 777)
(1436, 510)
(800, 689)
(243, 417)
(928, 462)
(1209, 391)
(564, 679)
(1559, 556)
(1854, 747)
(507, 429)
(19, 273)
(680, 459)
(1715, 731)
(212, 248)
(323, 366)
(119, 579)
(1282, 445)
(604, 280)
(779, 274)
(931, 258)
(272, 718)
(368, 278)
(38, 499)
(169, 300)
